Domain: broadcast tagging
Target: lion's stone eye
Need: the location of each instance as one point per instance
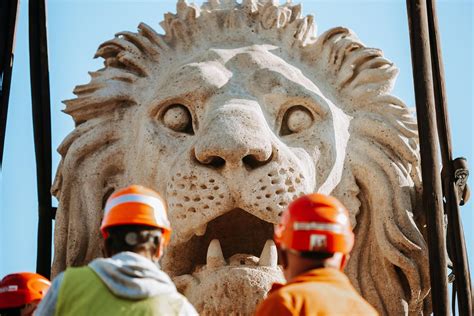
(178, 118)
(295, 120)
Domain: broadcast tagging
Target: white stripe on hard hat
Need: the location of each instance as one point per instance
(336, 228)
(153, 202)
(9, 288)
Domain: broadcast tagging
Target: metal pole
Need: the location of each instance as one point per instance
(432, 192)
(459, 256)
(8, 17)
(40, 98)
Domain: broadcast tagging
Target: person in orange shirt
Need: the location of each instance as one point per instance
(20, 293)
(314, 238)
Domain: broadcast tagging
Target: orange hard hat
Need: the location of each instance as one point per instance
(19, 289)
(136, 205)
(315, 222)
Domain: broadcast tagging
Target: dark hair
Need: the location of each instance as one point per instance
(11, 311)
(133, 238)
(315, 255)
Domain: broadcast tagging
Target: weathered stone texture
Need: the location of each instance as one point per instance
(231, 114)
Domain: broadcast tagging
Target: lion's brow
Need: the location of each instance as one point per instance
(277, 78)
(290, 75)
(191, 77)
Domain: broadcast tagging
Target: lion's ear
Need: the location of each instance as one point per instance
(128, 58)
(353, 69)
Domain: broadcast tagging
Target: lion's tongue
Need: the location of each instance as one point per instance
(215, 257)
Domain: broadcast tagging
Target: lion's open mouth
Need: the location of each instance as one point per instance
(235, 238)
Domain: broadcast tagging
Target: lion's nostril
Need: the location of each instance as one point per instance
(217, 155)
(215, 161)
(210, 161)
(252, 161)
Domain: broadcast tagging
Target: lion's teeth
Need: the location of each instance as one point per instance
(269, 255)
(201, 230)
(215, 258)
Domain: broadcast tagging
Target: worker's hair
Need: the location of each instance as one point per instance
(11, 311)
(133, 238)
(315, 255)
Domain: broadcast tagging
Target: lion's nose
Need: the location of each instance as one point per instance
(234, 138)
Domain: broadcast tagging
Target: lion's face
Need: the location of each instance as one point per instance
(231, 137)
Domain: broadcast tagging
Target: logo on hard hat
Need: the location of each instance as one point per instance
(317, 242)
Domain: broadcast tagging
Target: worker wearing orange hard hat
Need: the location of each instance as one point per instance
(20, 293)
(129, 281)
(314, 238)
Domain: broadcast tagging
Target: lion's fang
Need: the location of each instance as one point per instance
(269, 255)
(215, 258)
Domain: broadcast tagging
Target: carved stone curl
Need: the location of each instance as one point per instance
(231, 114)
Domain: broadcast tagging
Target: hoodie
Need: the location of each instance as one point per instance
(127, 275)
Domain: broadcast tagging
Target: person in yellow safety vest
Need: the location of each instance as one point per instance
(20, 293)
(129, 282)
(314, 238)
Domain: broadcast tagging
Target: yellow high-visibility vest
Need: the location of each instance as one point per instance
(82, 292)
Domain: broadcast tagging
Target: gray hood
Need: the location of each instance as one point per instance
(131, 276)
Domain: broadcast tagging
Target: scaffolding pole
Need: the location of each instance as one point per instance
(40, 98)
(462, 281)
(431, 177)
(8, 17)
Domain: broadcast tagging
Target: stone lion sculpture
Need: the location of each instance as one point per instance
(235, 111)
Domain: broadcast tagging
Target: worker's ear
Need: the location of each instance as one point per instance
(344, 260)
(106, 249)
(160, 249)
(282, 257)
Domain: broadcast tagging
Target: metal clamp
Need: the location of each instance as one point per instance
(461, 173)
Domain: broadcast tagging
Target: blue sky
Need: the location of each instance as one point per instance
(77, 27)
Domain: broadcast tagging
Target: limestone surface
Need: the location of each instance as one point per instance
(235, 111)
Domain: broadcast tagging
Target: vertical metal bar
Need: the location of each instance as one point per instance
(8, 17)
(40, 98)
(432, 192)
(459, 256)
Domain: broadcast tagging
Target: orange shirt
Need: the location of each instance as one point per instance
(322, 291)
